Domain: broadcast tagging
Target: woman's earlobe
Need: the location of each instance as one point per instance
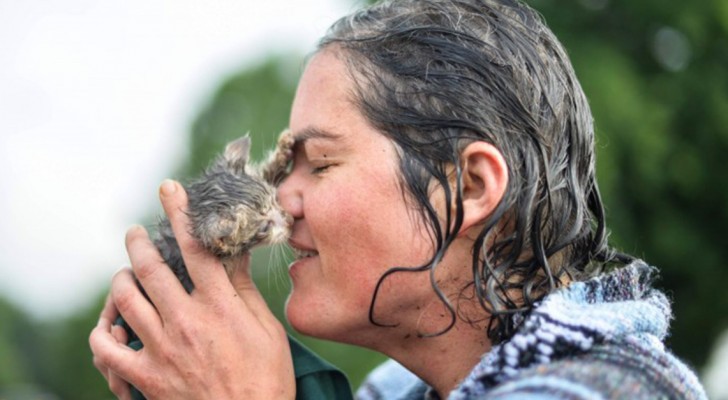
(484, 182)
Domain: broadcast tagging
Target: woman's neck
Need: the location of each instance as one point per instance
(443, 361)
(422, 341)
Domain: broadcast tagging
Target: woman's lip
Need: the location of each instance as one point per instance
(300, 263)
(298, 246)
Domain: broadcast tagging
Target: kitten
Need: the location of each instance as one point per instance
(232, 207)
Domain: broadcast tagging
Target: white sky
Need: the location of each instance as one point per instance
(95, 101)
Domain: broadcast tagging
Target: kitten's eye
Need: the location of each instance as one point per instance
(265, 228)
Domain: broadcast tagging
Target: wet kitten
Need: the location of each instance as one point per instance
(232, 207)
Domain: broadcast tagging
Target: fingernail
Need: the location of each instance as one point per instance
(168, 188)
(134, 227)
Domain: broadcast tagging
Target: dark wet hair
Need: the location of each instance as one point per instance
(435, 75)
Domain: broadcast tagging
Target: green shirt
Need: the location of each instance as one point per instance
(316, 379)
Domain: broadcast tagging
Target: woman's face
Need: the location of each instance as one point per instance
(352, 223)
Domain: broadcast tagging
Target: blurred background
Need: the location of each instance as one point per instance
(100, 101)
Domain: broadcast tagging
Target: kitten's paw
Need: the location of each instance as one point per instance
(285, 145)
(276, 167)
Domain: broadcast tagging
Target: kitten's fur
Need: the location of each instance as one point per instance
(232, 207)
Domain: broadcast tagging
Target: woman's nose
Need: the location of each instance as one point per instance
(289, 196)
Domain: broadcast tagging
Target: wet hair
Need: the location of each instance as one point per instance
(436, 75)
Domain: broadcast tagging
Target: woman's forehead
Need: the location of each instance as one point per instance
(323, 107)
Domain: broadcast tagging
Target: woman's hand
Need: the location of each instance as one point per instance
(220, 342)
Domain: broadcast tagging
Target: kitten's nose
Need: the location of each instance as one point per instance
(282, 225)
(282, 219)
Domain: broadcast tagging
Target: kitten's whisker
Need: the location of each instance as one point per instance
(272, 266)
(279, 261)
(285, 255)
(267, 268)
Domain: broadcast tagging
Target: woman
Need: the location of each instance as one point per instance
(446, 214)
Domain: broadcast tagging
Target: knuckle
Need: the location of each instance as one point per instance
(124, 300)
(154, 388)
(165, 354)
(135, 236)
(184, 331)
(93, 339)
(178, 316)
(188, 335)
(219, 309)
(145, 268)
(191, 246)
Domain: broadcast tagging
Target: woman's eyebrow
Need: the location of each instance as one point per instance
(302, 136)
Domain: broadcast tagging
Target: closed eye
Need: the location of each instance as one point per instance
(265, 228)
(321, 169)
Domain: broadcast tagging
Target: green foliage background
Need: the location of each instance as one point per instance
(655, 74)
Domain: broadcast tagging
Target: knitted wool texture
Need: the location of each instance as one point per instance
(597, 339)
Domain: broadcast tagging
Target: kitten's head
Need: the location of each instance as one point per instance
(233, 210)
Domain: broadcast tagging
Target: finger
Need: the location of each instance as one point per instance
(119, 387)
(206, 271)
(141, 315)
(115, 357)
(101, 368)
(159, 282)
(119, 334)
(106, 318)
(108, 314)
(245, 287)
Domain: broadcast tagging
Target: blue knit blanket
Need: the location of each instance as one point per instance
(597, 339)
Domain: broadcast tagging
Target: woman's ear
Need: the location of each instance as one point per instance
(484, 182)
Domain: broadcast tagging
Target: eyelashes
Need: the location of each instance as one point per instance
(320, 169)
(314, 165)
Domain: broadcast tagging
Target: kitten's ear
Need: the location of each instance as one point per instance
(237, 152)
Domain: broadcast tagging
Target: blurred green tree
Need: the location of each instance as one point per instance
(65, 366)
(256, 100)
(656, 75)
(48, 359)
(15, 328)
